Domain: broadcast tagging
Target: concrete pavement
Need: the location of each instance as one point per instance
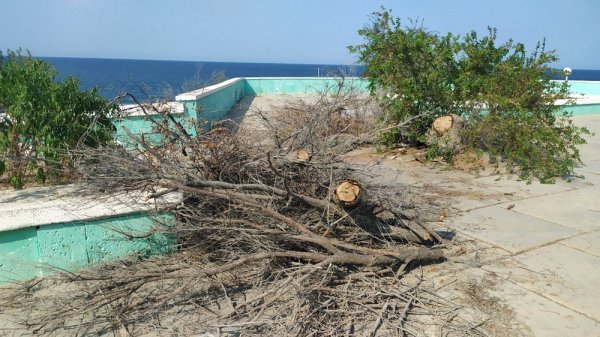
(541, 245)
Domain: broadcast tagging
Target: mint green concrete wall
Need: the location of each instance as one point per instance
(36, 251)
(214, 106)
(144, 125)
(299, 85)
(18, 254)
(585, 87)
(583, 109)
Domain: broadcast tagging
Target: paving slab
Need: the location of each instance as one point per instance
(585, 242)
(590, 151)
(509, 230)
(560, 273)
(511, 185)
(592, 122)
(543, 317)
(592, 178)
(579, 209)
(591, 166)
(464, 196)
(9, 328)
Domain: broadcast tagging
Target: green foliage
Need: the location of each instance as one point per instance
(2, 167)
(413, 67)
(40, 175)
(16, 182)
(42, 119)
(505, 94)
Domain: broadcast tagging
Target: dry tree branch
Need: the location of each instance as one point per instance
(258, 233)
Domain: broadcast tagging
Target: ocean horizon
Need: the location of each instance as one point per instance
(162, 79)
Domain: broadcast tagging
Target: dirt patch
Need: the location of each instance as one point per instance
(479, 164)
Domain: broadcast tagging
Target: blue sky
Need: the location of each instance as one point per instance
(282, 31)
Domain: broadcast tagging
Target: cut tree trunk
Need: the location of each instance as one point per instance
(349, 193)
(445, 133)
(442, 125)
(302, 155)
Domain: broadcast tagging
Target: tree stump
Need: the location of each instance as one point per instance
(302, 155)
(445, 133)
(444, 124)
(349, 193)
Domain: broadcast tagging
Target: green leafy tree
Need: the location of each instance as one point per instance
(505, 94)
(41, 119)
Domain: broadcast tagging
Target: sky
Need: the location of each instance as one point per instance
(280, 31)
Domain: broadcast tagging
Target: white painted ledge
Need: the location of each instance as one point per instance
(60, 204)
(197, 94)
(135, 110)
(581, 99)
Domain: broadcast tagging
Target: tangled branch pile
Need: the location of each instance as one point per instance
(268, 243)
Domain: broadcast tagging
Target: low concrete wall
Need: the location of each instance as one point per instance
(40, 250)
(202, 106)
(212, 103)
(301, 85)
(66, 227)
(142, 124)
(583, 109)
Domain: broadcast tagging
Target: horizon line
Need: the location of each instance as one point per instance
(240, 62)
(197, 61)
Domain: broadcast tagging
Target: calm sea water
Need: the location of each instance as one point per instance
(148, 79)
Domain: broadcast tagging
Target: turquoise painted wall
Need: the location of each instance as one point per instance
(198, 113)
(215, 105)
(585, 87)
(35, 251)
(299, 85)
(146, 125)
(583, 109)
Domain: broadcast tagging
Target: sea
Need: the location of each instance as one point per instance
(150, 79)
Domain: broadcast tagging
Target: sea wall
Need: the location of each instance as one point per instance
(211, 103)
(146, 124)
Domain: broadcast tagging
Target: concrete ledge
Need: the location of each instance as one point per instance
(202, 92)
(39, 251)
(581, 99)
(130, 110)
(66, 227)
(61, 204)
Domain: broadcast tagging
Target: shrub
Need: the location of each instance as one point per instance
(505, 95)
(42, 119)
